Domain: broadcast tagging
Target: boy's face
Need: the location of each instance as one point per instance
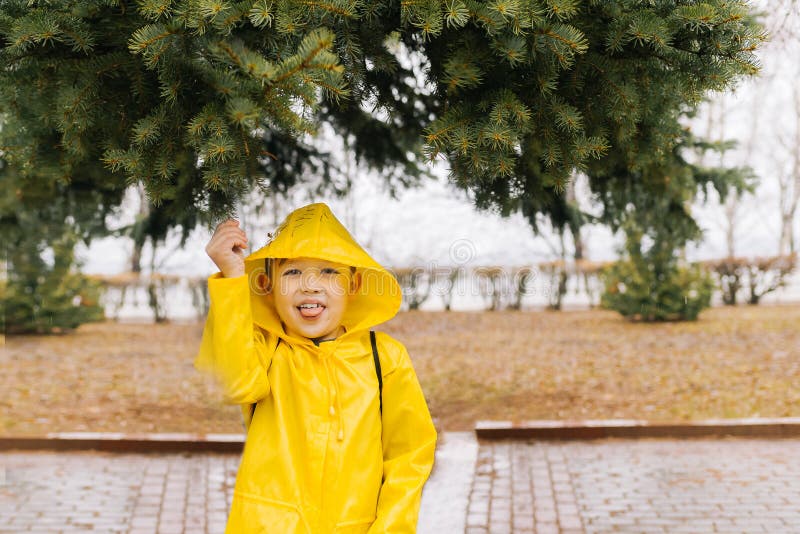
(311, 296)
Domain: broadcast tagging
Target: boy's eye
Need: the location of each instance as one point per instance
(297, 272)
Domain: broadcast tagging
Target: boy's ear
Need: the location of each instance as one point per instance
(263, 283)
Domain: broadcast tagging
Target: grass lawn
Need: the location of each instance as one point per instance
(733, 362)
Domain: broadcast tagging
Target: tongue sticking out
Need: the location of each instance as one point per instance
(311, 312)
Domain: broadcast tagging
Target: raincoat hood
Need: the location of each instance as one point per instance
(314, 232)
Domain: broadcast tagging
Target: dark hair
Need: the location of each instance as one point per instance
(270, 262)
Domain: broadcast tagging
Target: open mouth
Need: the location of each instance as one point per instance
(311, 309)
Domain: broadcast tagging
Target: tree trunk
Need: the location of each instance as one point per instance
(790, 186)
(136, 257)
(574, 225)
(139, 237)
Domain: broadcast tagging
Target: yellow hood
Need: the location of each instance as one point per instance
(314, 232)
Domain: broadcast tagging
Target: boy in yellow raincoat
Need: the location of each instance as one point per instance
(330, 448)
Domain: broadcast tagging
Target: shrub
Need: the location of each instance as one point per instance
(415, 283)
(490, 281)
(640, 293)
(557, 277)
(758, 276)
(729, 273)
(765, 275)
(651, 283)
(45, 297)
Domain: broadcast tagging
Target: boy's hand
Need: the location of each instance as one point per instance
(225, 248)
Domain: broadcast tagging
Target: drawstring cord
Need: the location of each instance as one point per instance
(333, 395)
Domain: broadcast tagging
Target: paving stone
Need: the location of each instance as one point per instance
(609, 486)
(612, 486)
(102, 492)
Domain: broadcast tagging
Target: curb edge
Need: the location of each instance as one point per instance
(635, 428)
(488, 430)
(125, 443)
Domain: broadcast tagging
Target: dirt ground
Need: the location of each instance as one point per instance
(733, 362)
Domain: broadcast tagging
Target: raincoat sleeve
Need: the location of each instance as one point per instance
(233, 349)
(409, 442)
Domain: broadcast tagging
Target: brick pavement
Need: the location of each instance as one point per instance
(644, 486)
(106, 492)
(606, 486)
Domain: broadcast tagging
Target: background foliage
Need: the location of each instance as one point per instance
(202, 101)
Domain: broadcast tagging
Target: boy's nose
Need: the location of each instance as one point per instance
(310, 284)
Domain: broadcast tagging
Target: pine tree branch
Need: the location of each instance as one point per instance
(432, 137)
(617, 88)
(140, 46)
(225, 47)
(332, 89)
(330, 8)
(305, 64)
(553, 35)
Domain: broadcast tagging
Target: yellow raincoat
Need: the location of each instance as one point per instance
(319, 456)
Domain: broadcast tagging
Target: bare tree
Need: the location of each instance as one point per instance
(782, 20)
(789, 181)
(773, 92)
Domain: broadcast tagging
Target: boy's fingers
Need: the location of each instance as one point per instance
(228, 222)
(228, 233)
(233, 228)
(242, 240)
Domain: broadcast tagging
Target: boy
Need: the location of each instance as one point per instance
(330, 447)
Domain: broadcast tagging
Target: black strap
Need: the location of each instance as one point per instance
(377, 367)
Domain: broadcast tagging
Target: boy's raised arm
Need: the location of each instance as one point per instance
(409, 442)
(233, 349)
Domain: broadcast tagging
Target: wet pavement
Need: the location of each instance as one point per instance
(637, 486)
(109, 492)
(643, 486)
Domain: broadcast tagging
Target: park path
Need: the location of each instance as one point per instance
(642, 486)
(637, 486)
